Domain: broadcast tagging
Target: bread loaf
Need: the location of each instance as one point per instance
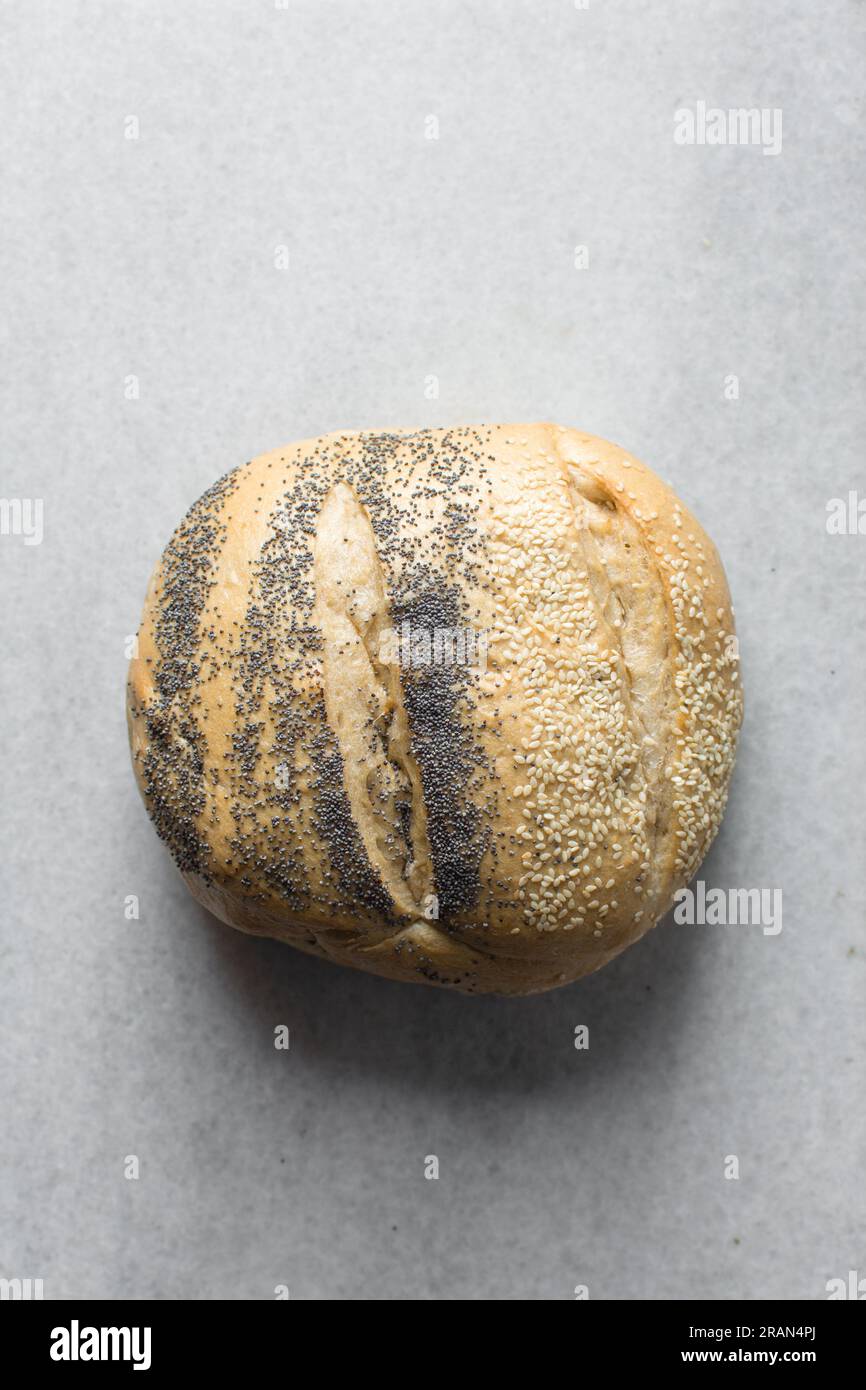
(456, 706)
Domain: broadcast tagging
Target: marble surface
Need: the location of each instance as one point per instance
(157, 158)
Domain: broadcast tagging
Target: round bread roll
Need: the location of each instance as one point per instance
(453, 706)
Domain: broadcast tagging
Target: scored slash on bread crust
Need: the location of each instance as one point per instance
(500, 827)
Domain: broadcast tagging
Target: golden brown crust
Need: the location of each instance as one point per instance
(515, 805)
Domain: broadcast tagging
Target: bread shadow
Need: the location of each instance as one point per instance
(346, 1023)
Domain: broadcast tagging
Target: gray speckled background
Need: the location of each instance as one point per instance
(410, 257)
